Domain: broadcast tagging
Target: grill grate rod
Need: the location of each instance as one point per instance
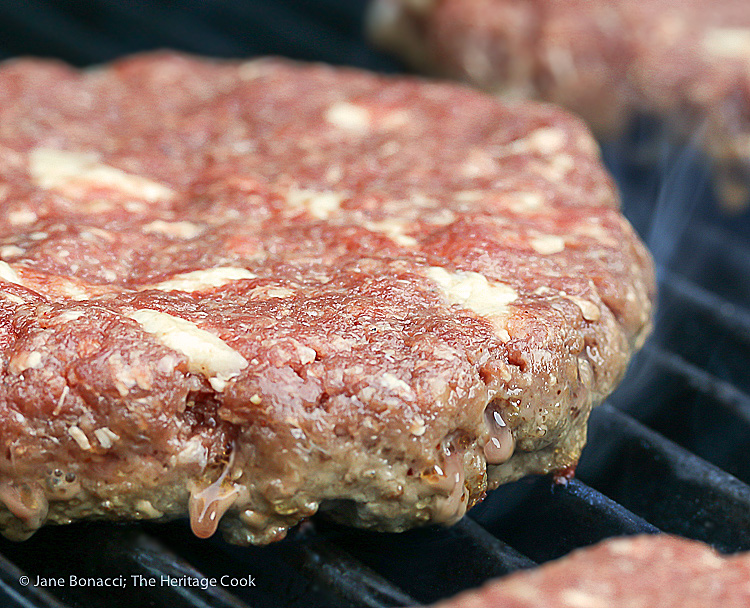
(100, 550)
(15, 595)
(717, 260)
(158, 561)
(689, 319)
(423, 561)
(665, 484)
(545, 521)
(679, 290)
(305, 570)
(705, 415)
(354, 584)
(724, 393)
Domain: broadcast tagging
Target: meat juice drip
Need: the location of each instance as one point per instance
(501, 444)
(27, 503)
(451, 508)
(207, 507)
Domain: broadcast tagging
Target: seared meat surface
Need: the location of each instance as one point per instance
(250, 291)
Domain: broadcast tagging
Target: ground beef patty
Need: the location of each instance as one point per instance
(264, 289)
(607, 60)
(645, 571)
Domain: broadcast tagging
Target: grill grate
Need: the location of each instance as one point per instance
(667, 453)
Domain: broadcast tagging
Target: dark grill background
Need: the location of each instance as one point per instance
(667, 452)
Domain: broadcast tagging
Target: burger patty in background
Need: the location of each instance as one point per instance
(608, 61)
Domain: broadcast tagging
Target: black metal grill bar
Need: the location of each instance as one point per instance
(503, 557)
(403, 559)
(278, 568)
(717, 260)
(601, 508)
(665, 484)
(308, 570)
(676, 290)
(545, 521)
(78, 550)
(705, 415)
(354, 584)
(15, 595)
(704, 329)
(678, 375)
(158, 562)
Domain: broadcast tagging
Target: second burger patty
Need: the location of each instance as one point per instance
(647, 571)
(255, 290)
(609, 61)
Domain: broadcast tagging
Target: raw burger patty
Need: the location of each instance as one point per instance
(635, 572)
(264, 289)
(607, 60)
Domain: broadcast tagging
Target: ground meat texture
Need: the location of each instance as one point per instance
(607, 60)
(256, 290)
(644, 571)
